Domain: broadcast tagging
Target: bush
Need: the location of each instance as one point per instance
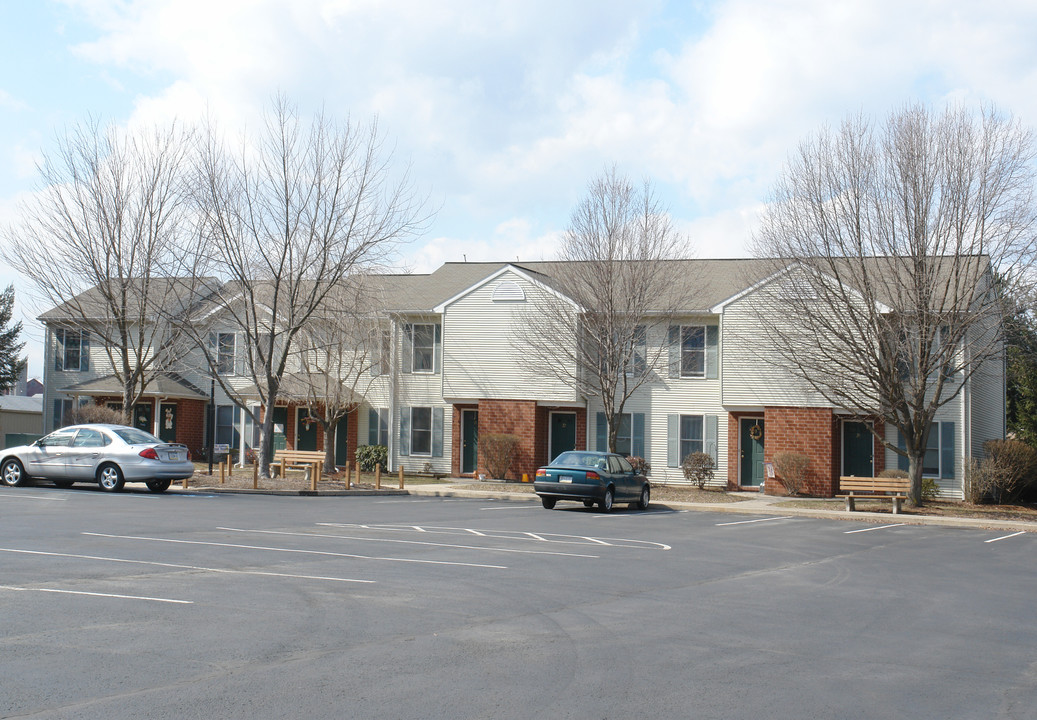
(698, 467)
(92, 413)
(639, 464)
(792, 470)
(371, 455)
(1009, 470)
(930, 489)
(893, 473)
(498, 451)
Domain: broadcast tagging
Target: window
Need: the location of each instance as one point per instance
(133, 436)
(63, 406)
(90, 438)
(691, 440)
(421, 431)
(940, 456)
(378, 426)
(623, 434)
(635, 362)
(227, 417)
(630, 434)
(225, 353)
(423, 344)
(693, 351)
(73, 350)
(61, 438)
(931, 463)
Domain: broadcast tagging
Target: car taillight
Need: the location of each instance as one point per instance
(149, 453)
(591, 475)
(189, 455)
(541, 473)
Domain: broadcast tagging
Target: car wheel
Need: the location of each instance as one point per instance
(63, 483)
(646, 495)
(109, 477)
(157, 486)
(548, 502)
(13, 474)
(606, 500)
(588, 503)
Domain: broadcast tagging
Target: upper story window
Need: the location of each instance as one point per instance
(73, 350)
(222, 345)
(693, 351)
(421, 348)
(636, 362)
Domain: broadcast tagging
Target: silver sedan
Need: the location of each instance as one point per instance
(109, 455)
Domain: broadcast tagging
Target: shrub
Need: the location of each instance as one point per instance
(792, 470)
(1009, 469)
(930, 489)
(498, 451)
(371, 455)
(639, 464)
(92, 413)
(698, 467)
(893, 473)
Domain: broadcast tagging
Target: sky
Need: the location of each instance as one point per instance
(503, 112)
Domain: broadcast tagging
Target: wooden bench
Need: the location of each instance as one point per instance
(873, 488)
(312, 460)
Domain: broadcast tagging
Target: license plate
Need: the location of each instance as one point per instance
(565, 479)
(175, 456)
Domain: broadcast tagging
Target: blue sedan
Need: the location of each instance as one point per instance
(593, 477)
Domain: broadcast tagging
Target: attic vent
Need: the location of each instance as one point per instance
(508, 291)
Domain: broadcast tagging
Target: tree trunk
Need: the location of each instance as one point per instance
(329, 446)
(266, 442)
(914, 472)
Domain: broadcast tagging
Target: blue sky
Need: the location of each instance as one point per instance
(504, 111)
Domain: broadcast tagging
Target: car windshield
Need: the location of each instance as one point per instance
(133, 436)
(580, 459)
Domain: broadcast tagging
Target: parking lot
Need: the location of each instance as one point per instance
(232, 606)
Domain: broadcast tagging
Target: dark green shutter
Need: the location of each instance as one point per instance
(712, 356)
(637, 437)
(601, 436)
(84, 351)
(437, 431)
(673, 341)
(59, 350)
(672, 441)
(437, 355)
(405, 431)
(372, 427)
(408, 347)
(947, 450)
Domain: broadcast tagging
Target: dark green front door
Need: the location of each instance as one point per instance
(563, 434)
(751, 443)
(342, 441)
(305, 430)
(469, 441)
(280, 439)
(167, 423)
(858, 450)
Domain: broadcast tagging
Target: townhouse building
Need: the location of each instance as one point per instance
(450, 372)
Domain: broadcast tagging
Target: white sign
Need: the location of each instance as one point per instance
(220, 449)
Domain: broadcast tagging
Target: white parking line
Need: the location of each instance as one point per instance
(20, 496)
(177, 566)
(410, 542)
(1005, 537)
(506, 535)
(877, 527)
(297, 551)
(516, 507)
(749, 522)
(97, 594)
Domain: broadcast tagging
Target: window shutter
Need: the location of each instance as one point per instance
(84, 351)
(902, 462)
(674, 343)
(637, 439)
(437, 359)
(672, 441)
(372, 427)
(437, 431)
(404, 431)
(602, 435)
(712, 356)
(239, 354)
(947, 454)
(59, 349)
(640, 351)
(710, 438)
(408, 347)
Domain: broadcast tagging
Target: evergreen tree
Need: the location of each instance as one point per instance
(11, 361)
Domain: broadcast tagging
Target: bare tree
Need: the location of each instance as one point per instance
(615, 281)
(339, 351)
(98, 243)
(885, 243)
(285, 221)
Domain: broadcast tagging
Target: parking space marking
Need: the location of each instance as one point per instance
(749, 522)
(325, 553)
(97, 594)
(1005, 537)
(876, 527)
(510, 535)
(177, 566)
(409, 542)
(22, 496)
(515, 507)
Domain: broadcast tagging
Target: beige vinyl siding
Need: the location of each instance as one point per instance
(950, 488)
(481, 341)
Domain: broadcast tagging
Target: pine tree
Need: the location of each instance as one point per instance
(11, 361)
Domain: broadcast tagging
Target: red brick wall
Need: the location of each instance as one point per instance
(455, 440)
(813, 432)
(516, 417)
(190, 425)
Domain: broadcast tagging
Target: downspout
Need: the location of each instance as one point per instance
(394, 364)
(48, 398)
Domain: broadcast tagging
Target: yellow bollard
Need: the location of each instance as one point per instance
(221, 472)
(230, 467)
(378, 476)
(525, 477)
(185, 483)
(401, 477)
(358, 473)
(255, 475)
